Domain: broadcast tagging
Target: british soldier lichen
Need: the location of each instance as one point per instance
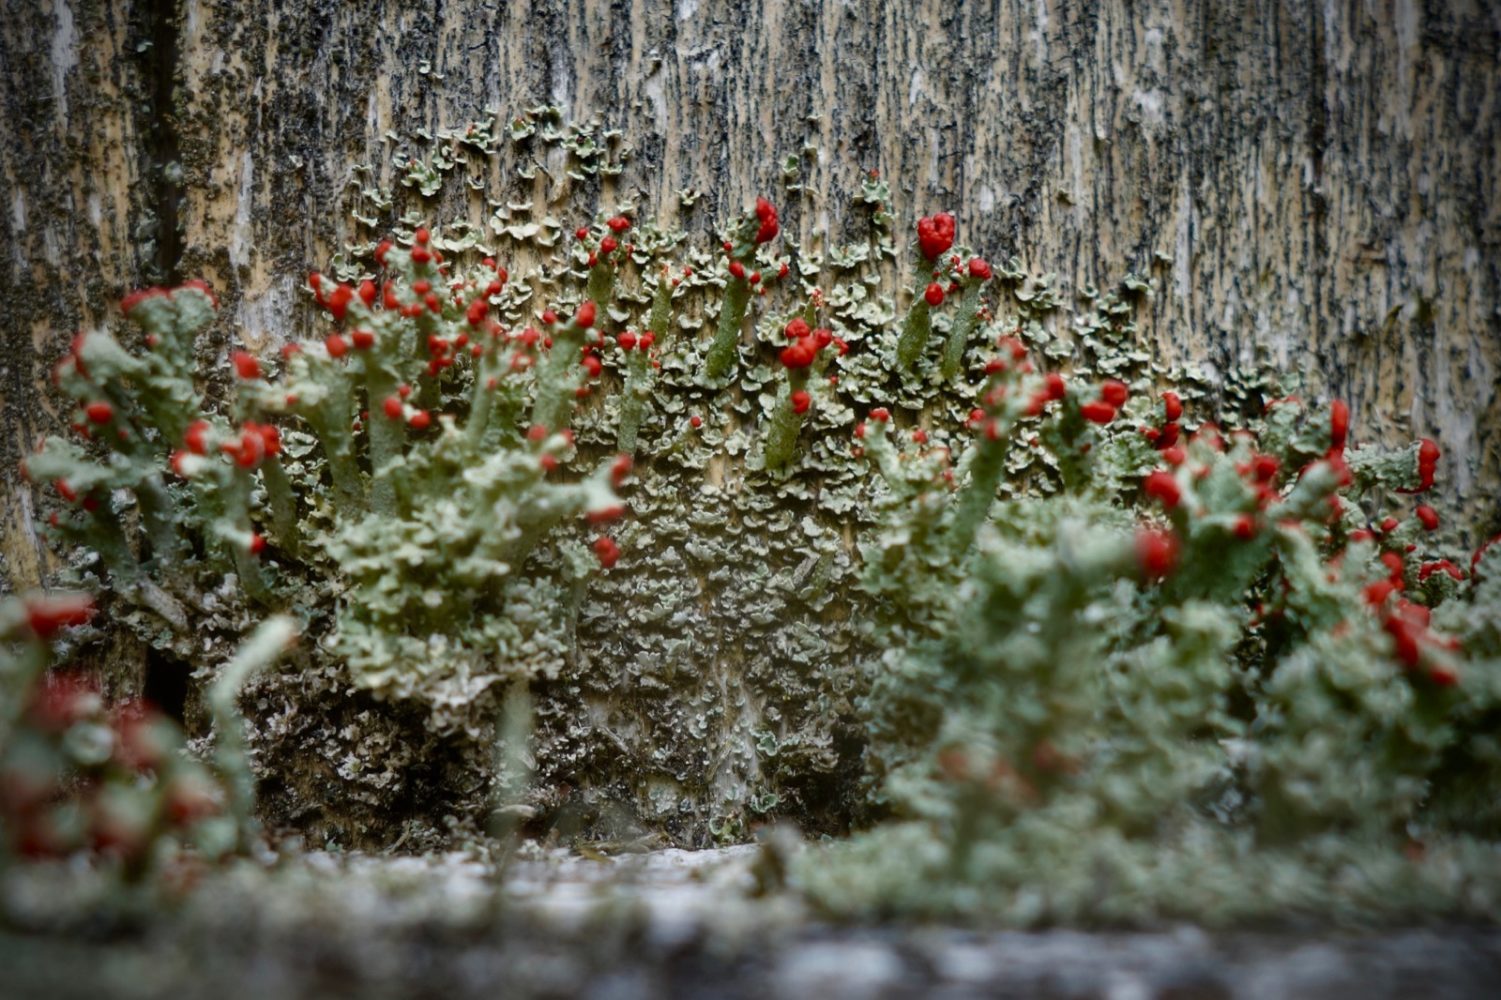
(1140, 685)
(1062, 605)
(747, 236)
(78, 775)
(430, 520)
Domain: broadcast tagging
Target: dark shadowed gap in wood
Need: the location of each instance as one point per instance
(166, 684)
(159, 25)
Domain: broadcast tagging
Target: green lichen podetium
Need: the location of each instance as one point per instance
(786, 422)
(83, 777)
(915, 333)
(965, 322)
(930, 594)
(1211, 694)
(749, 233)
(638, 381)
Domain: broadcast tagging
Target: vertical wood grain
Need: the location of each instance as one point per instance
(1311, 184)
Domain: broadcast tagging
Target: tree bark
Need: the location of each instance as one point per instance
(1313, 186)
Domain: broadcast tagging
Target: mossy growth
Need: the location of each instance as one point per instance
(779, 530)
(1211, 678)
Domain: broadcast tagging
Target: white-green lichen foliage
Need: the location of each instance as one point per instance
(1057, 732)
(81, 774)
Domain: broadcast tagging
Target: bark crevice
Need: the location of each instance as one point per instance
(160, 150)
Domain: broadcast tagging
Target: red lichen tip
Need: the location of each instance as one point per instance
(246, 366)
(338, 301)
(1339, 423)
(801, 353)
(1428, 516)
(935, 234)
(1163, 487)
(766, 216)
(1440, 566)
(602, 515)
(606, 551)
(1156, 552)
(194, 437)
(1428, 456)
(1097, 412)
(49, 614)
(620, 468)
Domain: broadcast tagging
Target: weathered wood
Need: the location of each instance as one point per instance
(76, 88)
(1312, 185)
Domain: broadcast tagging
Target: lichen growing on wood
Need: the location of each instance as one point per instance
(1211, 690)
(854, 564)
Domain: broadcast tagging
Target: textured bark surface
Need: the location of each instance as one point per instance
(1309, 187)
(1313, 185)
(76, 89)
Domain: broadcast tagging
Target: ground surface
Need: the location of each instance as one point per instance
(666, 923)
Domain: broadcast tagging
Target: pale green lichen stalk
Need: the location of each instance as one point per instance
(1107, 660)
(752, 231)
(271, 639)
(116, 781)
(639, 371)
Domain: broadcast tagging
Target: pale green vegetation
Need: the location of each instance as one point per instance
(1123, 643)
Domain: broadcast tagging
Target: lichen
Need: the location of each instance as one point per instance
(869, 565)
